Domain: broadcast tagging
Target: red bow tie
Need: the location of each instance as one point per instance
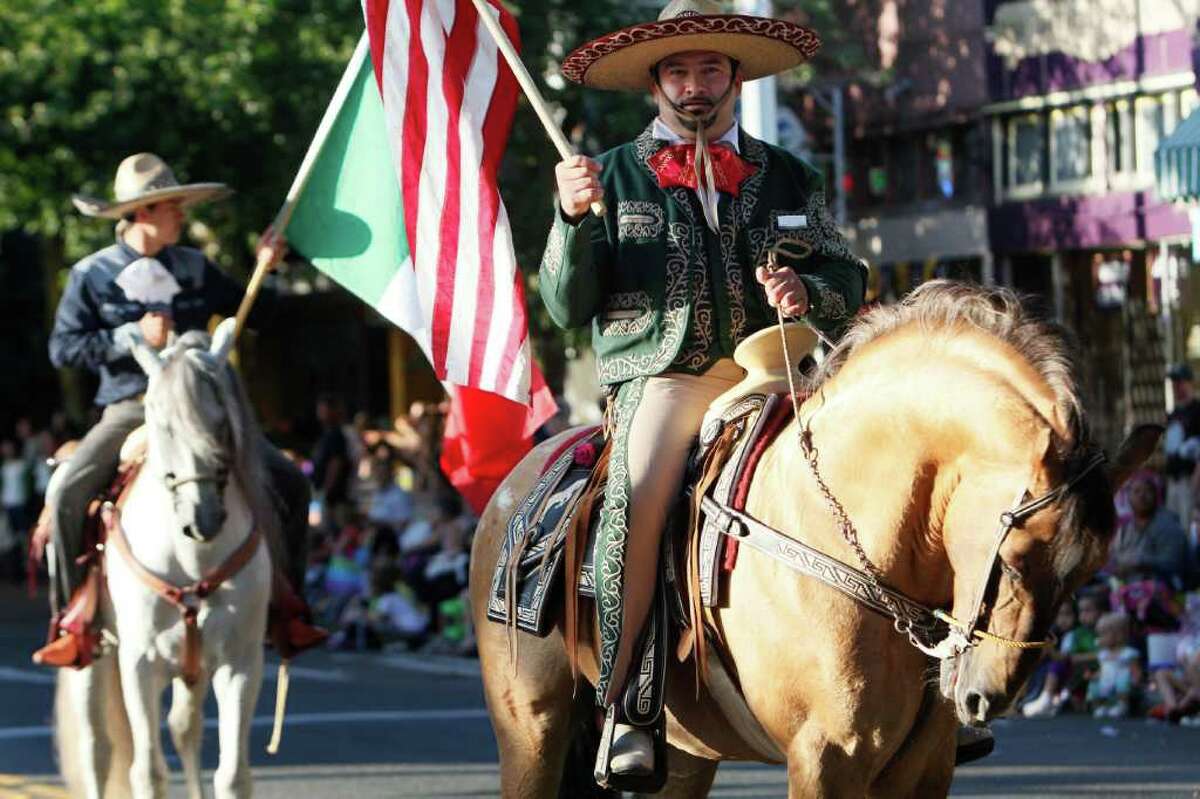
(676, 166)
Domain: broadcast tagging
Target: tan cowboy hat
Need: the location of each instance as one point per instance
(145, 179)
(623, 59)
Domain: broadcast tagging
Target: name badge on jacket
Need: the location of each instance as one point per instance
(639, 221)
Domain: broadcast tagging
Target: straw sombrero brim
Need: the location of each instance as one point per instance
(189, 194)
(622, 60)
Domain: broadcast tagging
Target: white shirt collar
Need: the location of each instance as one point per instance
(661, 131)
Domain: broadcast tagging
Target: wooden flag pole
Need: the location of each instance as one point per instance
(529, 87)
(262, 265)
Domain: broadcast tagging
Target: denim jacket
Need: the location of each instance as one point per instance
(93, 307)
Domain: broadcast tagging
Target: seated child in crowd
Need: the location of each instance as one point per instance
(1076, 652)
(1179, 685)
(1110, 690)
(389, 613)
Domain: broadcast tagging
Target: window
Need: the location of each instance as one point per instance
(1112, 281)
(1027, 151)
(1151, 128)
(1072, 150)
(942, 151)
(1118, 137)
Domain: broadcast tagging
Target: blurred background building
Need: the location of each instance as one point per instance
(1014, 143)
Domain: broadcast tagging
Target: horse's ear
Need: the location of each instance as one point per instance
(147, 357)
(222, 340)
(1137, 447)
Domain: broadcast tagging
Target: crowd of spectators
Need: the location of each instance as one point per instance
(1129, 642)
(25, 453)
(390, 541)
(390, 538)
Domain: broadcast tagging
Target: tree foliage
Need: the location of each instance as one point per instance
(224, 91)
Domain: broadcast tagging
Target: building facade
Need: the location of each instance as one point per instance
(1081, 92)
(1013, 142)
(918, 181)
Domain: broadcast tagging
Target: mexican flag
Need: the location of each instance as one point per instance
(402, 208)
(347, 219)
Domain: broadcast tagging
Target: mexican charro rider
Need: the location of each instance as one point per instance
(673, 277)
(106, 305)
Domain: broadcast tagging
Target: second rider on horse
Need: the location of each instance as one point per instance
(94, 328)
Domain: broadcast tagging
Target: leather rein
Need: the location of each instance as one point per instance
(184, 598)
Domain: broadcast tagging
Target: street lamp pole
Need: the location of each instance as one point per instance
(833, 100)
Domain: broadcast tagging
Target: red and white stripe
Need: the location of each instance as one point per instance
(449, 99)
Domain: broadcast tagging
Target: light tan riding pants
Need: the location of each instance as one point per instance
(661, 432)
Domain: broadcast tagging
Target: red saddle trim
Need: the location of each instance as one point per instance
(780, 416)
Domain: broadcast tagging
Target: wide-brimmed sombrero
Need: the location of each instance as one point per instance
(145, 179)
(623, 59)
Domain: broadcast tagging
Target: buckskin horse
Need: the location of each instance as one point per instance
(188, 577)
(943, 451)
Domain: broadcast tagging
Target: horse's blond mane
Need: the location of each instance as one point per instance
(946, 306)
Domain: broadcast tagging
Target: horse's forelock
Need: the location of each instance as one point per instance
(177, 392)
(1087, 520)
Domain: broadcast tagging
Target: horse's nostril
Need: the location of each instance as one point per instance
(977, 705)
(189, 532)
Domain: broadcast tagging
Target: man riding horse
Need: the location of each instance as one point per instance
(145, 286)
(673, 278)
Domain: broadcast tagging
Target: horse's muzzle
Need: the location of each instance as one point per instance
(206, 525)
(974, 704)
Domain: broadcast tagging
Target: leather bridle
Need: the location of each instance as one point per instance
(219, 477)
(911, 619)
(971, 630)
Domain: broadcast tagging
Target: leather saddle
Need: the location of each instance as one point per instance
(524, 584)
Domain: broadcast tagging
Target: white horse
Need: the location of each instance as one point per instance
(199, 497)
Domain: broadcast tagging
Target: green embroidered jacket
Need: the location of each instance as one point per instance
(664, 293)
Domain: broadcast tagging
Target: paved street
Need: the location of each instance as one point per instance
(375, 726)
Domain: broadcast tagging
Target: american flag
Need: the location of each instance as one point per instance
(449, 100)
